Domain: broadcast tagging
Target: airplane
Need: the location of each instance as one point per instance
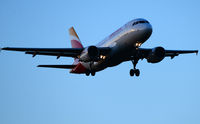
(120, 46)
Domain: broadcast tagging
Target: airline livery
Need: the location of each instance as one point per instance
(122, 45)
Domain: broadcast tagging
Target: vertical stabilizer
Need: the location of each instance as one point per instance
(75, 41)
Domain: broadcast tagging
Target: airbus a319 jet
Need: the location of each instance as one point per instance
(122, 45)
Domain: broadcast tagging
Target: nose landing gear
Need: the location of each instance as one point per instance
(135, 71)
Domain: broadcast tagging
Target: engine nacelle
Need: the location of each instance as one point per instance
(90, 53)
(156, 55)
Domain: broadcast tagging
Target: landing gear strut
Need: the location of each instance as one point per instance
(135, 71)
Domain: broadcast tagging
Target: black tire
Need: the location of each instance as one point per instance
(137, 72)
(132, 72)
(93, 73)
(87, 73)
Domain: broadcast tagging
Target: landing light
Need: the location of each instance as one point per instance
(102, 57)
(138, 44)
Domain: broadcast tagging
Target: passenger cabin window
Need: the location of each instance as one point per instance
(139, 22)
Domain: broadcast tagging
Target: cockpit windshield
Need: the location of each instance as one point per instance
(139, 22)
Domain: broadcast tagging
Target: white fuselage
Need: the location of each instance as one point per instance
(122, 42)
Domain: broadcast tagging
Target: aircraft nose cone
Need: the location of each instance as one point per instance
(146, 31)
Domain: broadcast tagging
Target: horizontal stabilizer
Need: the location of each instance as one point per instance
(58, 66)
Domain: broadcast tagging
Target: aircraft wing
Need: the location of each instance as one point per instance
(58, 66)
(168, 53)
(173, 53)
(65, 52)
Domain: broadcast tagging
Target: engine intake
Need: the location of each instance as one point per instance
(91, 53)
(156, 55)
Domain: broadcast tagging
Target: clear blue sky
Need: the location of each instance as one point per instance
(165, 93)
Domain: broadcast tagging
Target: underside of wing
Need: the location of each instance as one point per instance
(173, 53)
(66, 52)
(168, 53)
(59, 52)
(58, 66)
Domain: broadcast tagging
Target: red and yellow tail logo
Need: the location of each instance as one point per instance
(75, 41)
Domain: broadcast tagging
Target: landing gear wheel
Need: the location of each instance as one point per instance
(93, 73)
(137, 72)
(87, 73)
(131, 72)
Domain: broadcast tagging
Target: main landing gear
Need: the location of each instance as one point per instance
(135, 71)
(92, 73)
(87, 73)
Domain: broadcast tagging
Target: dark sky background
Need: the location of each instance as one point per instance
(165, 93)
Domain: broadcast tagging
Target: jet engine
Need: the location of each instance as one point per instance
(90, 53)
(156, 55)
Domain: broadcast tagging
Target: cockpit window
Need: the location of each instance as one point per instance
(139, 22)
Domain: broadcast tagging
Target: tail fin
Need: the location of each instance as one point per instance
(75, 41)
